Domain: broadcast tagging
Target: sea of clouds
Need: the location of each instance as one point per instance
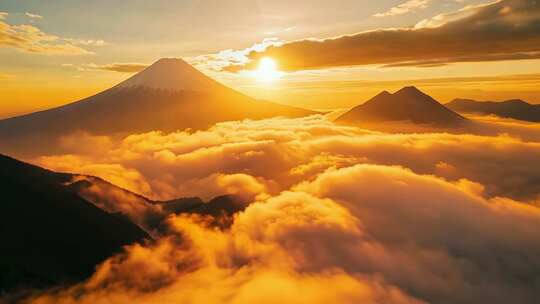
(336, 214)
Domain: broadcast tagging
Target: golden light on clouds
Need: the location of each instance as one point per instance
(330, 207)
(268, 70)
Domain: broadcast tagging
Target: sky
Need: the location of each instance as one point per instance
(334, 55)
(334, 213)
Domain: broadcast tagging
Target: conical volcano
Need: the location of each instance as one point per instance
(167, 96)
(172, 74)
(409, 104)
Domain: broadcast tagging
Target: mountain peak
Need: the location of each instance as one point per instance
(407, 104)
(170, 59)
(409, 90)
(173, 74)
(169, 62)
(383, 94)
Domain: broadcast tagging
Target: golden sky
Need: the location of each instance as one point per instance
(333, 55)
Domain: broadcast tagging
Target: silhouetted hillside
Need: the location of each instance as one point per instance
(408, 104)
(150, 214)
(50, 235)
(515, 108)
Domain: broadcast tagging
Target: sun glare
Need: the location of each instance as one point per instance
(268, 70)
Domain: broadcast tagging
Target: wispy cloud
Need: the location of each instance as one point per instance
(33, 16)
(404, 8)
(87, 42)
(130, 67)
(232, 60)
(501, 30)
(31, 39)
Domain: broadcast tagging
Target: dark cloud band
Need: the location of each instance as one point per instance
(502, 30)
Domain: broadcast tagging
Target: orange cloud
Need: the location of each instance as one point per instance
(30, 39)
(501, 30)
(404, 8)
(365, 233)
(252, 158)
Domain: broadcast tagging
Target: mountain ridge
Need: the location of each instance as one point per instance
(50, 235)
(407, 104)
(513, 108)
(56, 230)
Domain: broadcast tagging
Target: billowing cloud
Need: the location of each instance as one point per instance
(268, 156)
(501, 30)
(336, 214)
(30, 39)
(360, 234)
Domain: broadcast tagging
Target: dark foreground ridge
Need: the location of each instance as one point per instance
(50, 235)
(56, 228)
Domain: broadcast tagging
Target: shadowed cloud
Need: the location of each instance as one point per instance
(501, 30)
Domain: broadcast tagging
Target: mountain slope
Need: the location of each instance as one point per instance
(50, 235)
(150, 214)
(408, 104)
(515, 108)
(169, 95)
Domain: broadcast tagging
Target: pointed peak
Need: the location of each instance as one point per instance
(170, 61)
(409, 90)
(383, 93)
(383, 96)
(173, 74)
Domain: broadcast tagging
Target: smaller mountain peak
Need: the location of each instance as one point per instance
(382, 97)
(409, 90)
(383, 93)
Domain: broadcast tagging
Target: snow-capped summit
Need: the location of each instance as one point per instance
(171, 74)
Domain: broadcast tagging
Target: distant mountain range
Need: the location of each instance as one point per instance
(406, 105)
(515, 108)
(55, 227)
(169, 95)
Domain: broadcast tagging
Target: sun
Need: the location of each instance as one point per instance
(268, 70)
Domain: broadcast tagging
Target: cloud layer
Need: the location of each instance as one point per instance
(501, 30)
(366, 233)
(271, 155)
(337, 214)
